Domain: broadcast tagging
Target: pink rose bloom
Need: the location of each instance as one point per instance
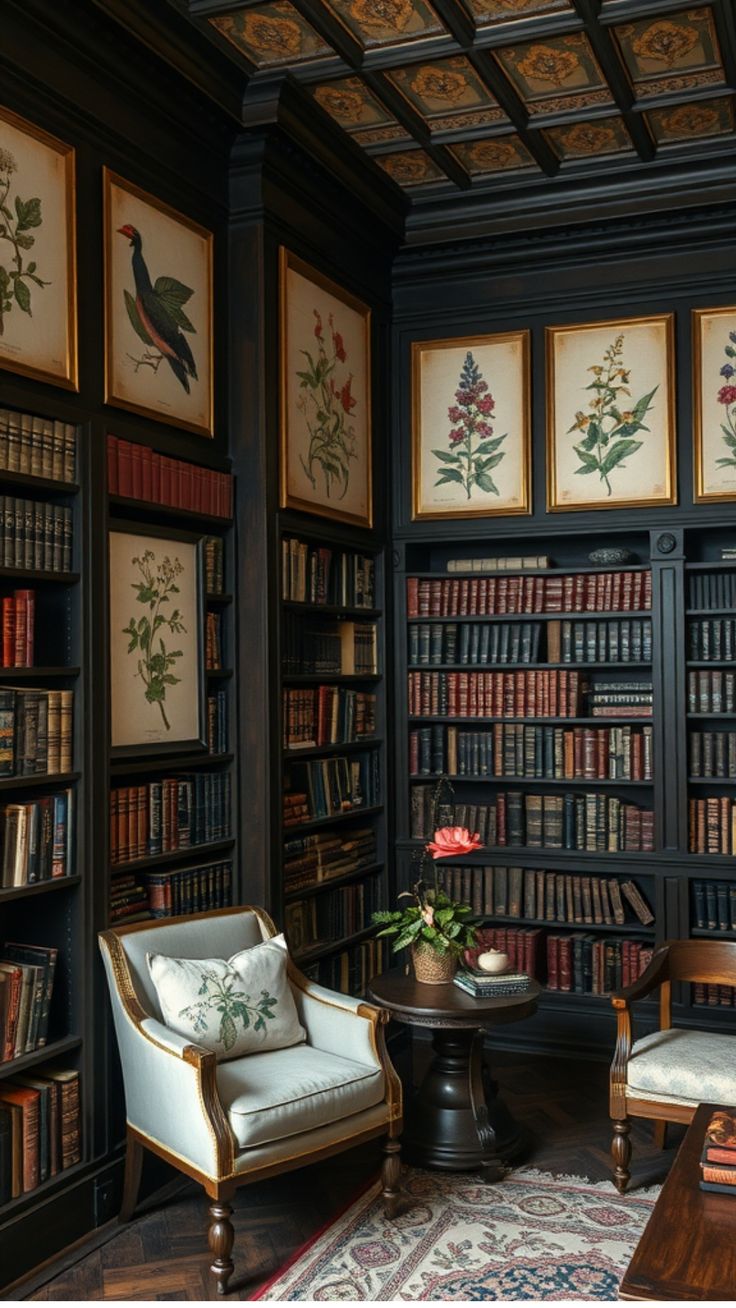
(727, 395)
(453, 840)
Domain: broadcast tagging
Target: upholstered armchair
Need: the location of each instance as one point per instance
(665, 1075)
(227, 1124)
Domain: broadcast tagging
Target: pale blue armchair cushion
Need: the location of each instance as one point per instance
(683, 1067)
(236, 1007)
(270, 1096)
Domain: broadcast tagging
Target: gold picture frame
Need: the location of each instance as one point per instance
(714, 411)
(631, 361)
(182, 393)
(318, 317)
(38, 171)
(462, 469)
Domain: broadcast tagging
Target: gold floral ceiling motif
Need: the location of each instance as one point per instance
(541, 69)
(410, 167)
(690, 122)
(494, 155)
(587, 140)
(441, 86)
(682, 44)
(386, 22)
(272, 34)
(350, 103)
(488, 12)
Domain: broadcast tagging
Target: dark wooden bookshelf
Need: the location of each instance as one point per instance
(37, 888)
(458, 778)
(30, 674)
(350, 815)
(214, 598)
(202, 853)
(633, 929)
(49, 485)
(332, 610)
(358, 873)
(35, 779)
(348, 746)
(170, 763)
(147, 509)
(330, 679)
(42, 575)
(594, 615)
(468, 722)
(53, 1049)
(323, 950)
(586, 665)
(704, 933)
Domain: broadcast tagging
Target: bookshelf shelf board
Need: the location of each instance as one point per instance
(550, 722)
(317, 751)
(43, 1055)
(197, 852)
(315, 824)
(595, 614)
(707, 717)
(330, 610)
(526, 781)
(31, 1197)
(39, 779)
(40, 575)
(218, 597)
(150, 508)
(37, 888)
(718, 565)
(334, 947)
(328, 678)
(711, 663)
(52, 485)
(172, 763)
(710, 613)
(704, 933)
(29, 674)
(717, 860)
(553, 860)
(222, 673)
(306, 892)
(584, 666)
(711, 781)
(569, 571)
(628, 928)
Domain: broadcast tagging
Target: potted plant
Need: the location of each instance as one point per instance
(434, 926)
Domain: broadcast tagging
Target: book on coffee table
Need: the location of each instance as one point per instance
(490, 986)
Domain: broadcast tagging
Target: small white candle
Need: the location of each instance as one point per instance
(493, 961)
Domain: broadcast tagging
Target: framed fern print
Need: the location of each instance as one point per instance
(611, 414)
(156, 641)
(470, 426)
(325, 365)
(714, 403)
(158, 309)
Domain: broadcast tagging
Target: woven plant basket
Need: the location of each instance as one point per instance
(431, 967)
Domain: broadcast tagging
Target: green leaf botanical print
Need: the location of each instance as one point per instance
(727, 397)
(327, 404)
(154, 591)
(219, 995)
(469, 464)
(18, 218)
(609, 426)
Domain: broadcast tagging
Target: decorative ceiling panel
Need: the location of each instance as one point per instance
(556, 74)
(272, 34)
(351, 104)
(410, 167)
(691, 122)
(490, 12)
(446, 87)
(497, 154)
(675, 53)
(589, 140)
(386, 22)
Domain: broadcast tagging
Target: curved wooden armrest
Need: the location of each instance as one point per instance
(656, 973)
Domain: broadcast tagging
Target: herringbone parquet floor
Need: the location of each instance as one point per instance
(163, 1254)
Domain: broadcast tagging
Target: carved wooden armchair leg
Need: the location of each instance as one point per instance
(390, 1174)
(621, 1154)
(132, 1178)
(221, 1236)
(660, 1133)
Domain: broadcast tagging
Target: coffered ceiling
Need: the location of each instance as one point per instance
(451, 96)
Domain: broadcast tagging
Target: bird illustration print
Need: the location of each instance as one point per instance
(157, 316)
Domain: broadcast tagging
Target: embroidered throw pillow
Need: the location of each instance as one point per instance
(242, 1006)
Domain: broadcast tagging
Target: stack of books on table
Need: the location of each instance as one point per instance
(718, 1159)
(490, 986)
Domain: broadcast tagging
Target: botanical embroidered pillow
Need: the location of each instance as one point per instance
(242, 1006)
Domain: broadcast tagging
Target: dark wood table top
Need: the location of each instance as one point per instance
(417, 1004)
(688, 1249)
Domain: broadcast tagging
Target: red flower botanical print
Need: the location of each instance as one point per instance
(327, 403)
(727, 397)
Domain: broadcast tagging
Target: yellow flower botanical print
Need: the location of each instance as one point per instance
(442, 84)
(665, 42)
(542, 63)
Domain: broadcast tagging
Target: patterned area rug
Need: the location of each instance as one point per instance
(532, 1236)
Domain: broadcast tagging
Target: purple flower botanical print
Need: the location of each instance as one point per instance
(474, 450)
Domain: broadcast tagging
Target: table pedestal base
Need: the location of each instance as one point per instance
(456, 1122)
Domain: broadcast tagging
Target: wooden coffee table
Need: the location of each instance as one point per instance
(456, 1122)
(688, 1249)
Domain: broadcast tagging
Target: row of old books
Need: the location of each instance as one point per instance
(37, 839)
(718, 1158)
(18, 629)
(611, 640)
(176, 812)
(590, 965)
(512, 749)
(712, 590)
(712, 753)
(338, 913)
(213, 642)
(603, 592)
(714, 905)
(711, 691)
(594, 823)
(539, 693)
(713, 995)
(136, 897)
(35, 535)
(711, 639)
(712, 825)
(316, 574)
(40, 447)
(140, 473)
(522, 944)
(327, 787)
(26, 986)
(327, 715)
(214, 565)
(329, 648)
(550, 896)
(325, 855)
(350, 970)
(505, 563)
(217, 736)
(40, 1129)
(36, 731)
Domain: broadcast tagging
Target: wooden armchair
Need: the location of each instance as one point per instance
(231, 1123)
(665, 1075)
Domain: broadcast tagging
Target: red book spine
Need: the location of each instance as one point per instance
(112, 465)
(185, 485)
(8, 632)
(136, 461)
(125, 468)
(166, 486)
(412, 597)
(146, 473)
(565, 963)
(155, 478)
(553, 969)
(20, 602)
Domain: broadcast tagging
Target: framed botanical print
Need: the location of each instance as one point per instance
(157, 691)
(325, 365)
(714, 401)
(38, 283)
(470, 426)
(158, 309)
(611, 414)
